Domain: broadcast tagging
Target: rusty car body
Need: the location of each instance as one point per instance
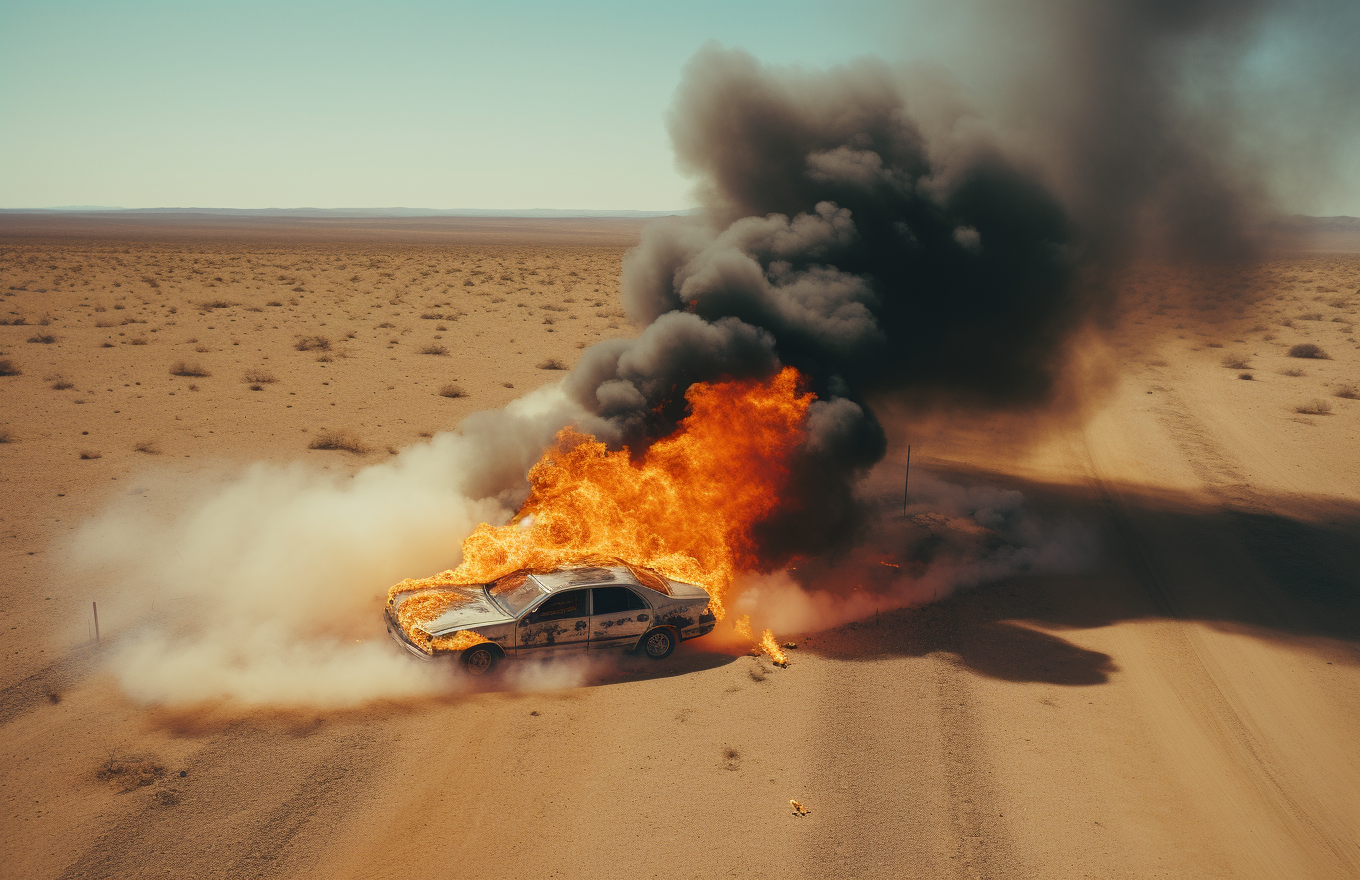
(572, 610)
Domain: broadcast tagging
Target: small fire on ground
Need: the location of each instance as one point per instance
(686, 510)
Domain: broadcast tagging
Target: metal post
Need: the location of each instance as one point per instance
(906, 485)
(96, 620)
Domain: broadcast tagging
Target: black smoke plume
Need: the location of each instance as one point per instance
(838, 240)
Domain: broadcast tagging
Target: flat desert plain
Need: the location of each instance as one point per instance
(1184, 703)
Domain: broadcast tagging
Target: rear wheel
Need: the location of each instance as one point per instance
(481, 660)
(658, 644)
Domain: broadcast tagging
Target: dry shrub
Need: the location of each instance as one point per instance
(552, 364)
(451, 390)
(1348, 392)
(8, 368)
(13, 322)
(183, 368)
(90, 455)
(147, 446)
(6, 437)
(1236, 362)
(61, 383)
(216, 304)
(435, 349)
(1314, 408)
(1245, 376)
(43, 338)
(1292, 372)
(130, 773)
(138, 340)
(259, 377)
(342, 440)
(1308, 350)
(312, 343)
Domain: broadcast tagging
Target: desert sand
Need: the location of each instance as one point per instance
(1183, 705)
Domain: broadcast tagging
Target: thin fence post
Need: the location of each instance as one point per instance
(906, 486)
(96, 620)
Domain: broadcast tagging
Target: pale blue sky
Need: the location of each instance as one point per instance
(404, 103)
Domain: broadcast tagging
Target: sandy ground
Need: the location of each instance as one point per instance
(1186, 706)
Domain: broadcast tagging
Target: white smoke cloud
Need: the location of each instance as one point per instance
(265, 587)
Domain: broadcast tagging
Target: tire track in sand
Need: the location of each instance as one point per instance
(249, 794)
(1206, 688)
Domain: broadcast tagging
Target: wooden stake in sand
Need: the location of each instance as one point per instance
(96, 620)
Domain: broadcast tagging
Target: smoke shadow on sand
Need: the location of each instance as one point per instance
(1235, 566)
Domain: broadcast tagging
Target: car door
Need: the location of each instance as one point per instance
(559, 624)
(618, 617)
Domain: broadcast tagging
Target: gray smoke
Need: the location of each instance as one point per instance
(871, 228)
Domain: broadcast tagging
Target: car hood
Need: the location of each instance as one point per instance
(470, 607)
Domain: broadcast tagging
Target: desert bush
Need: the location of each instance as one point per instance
(90, 455)
(451, 390)
(1314, 408)
(312, 343)
(183, 368)
(137, 340)
(259, 377)
(432, 316)
(43, 338)
(435, 349)
(6, 436)
(61, 383)
(1235, 362)
(1308, 350)
(1292, 372)
(9, 368)
(1245, 376)
(216, 304)
(13, 322)
(147, 446)
(552, 364)
(1348, 392)
(342, 440)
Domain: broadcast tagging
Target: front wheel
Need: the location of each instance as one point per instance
(480, 660)
(658, 644)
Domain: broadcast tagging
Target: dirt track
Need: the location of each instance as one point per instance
(1185, 707)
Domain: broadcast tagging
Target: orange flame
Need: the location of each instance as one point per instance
(687, 510)
(771, 647)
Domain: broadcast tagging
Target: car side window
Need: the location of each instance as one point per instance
(571, 603)
(617, 600)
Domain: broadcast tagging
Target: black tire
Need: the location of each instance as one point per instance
(658, 643)
(481, 660)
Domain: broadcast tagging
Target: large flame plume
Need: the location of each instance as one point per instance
(686, 509)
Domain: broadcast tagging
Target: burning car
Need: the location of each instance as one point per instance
(574, 609)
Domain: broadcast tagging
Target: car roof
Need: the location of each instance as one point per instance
(591, 576)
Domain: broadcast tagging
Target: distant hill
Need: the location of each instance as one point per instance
(1305, 223)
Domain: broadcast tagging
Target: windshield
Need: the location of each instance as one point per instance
(515, 592)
